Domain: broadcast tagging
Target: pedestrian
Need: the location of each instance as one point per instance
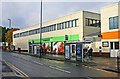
(86, 53)
(90, 53)
(45, 51)
(100, 50)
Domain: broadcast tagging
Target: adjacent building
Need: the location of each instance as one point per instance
(110, 29)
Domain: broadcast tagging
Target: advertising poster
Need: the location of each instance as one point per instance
(67, 52)
(35, 50)
(78, 52)
(58, 47)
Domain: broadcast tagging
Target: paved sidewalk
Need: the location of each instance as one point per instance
(105, 63)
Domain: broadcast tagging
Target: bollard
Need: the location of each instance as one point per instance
(118, 60)
(19, 50)
(118, 63)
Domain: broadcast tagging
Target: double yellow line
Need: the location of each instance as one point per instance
(15, 69)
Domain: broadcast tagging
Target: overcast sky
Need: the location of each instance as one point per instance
(24, 14)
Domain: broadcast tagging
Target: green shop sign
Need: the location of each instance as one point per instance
(56, 39)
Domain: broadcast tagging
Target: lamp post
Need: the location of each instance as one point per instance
(9, 20)
(9, 23)
(41, 29)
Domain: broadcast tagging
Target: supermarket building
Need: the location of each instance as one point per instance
(102, 29)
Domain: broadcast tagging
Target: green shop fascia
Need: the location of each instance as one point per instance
(56, 39)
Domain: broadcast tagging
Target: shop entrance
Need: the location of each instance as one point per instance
(114, 47)
(74, 50)
(34, 49)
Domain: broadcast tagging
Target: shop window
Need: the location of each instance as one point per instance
(105, 44)
(111, 45)
(116, 45)
(73, 48)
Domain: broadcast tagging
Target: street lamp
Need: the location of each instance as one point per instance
(9, 23)
(41, 29)
(9, 28)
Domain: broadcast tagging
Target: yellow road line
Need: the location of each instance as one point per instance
(99, 69)
(17, 70)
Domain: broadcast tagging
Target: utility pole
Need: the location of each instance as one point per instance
(41, 29)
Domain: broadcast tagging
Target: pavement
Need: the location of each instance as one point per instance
(104, 63)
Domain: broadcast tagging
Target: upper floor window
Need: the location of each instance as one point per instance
(32, 32)
(16, 35)
(63, 26)
(69, 24)
(58, 26)
(113, 22)
(54, 26)
(37, 30)
(74, 23)
(50, 28)
(42, 30)
(92, 22)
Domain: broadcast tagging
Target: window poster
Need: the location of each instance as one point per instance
(67, 52)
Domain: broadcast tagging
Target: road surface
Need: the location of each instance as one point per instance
(40, 67)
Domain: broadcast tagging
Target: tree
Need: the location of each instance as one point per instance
(9, 35)
(3, 30)
(0, 33)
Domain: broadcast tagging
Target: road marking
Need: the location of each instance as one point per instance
(60, 69)
(37, 63)
(16, 69)
(58, 62)
(99, 69)
(88, 77)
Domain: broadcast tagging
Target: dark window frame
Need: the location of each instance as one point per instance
(112, 23)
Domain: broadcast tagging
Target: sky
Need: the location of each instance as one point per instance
(23, 14)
